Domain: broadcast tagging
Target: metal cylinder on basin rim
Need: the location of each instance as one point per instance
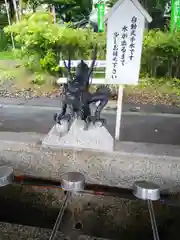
(6, 175)
(73, 182)
(145, 190)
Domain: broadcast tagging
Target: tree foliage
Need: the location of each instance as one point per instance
(66, 10)
(42, 44)
(41, 41)
(110, 3)
(32, 4)
(156, 9)
(76, 10)
(71, 10)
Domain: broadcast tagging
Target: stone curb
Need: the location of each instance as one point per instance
(128, 163)
(15, 231)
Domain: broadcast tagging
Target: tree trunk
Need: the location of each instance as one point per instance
(16, 10)
(20, 9)
(11, 9)
(9, 21)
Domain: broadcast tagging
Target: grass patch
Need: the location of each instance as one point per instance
(7, 56)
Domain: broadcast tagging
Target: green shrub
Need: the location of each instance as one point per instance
(4, 41)
(43, 42)
(161, 54)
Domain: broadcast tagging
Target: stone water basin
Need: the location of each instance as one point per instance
(86, 215)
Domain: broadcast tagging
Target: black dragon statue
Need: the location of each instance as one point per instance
(77, 97)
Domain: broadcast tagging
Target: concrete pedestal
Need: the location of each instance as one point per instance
(95, 138)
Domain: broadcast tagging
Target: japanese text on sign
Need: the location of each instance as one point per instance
(132, 37)
(115, 55)
(124, 36)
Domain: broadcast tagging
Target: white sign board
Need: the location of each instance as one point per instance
(124, 44)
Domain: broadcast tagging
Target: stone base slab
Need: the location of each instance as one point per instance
(95, 138)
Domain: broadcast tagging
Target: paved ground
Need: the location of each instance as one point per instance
(137, 125)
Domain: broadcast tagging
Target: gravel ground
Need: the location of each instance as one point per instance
(150, 96)
(9, 90)
(135, 95)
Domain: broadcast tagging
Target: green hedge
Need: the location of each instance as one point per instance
(43, 43)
